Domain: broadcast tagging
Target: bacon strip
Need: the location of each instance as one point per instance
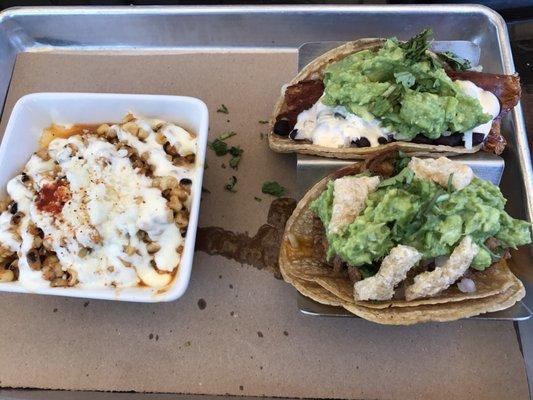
(505, 87)
(302, 95)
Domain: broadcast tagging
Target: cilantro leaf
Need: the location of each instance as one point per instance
(405, 78)
(415, 48)
(401, 162)
(273, 188)
(226, 135)
(263, 121)
(258, 199)
(450, 183)
(236, 152)
(457, 63)
(404, 177)
(230, 186)
(219, 147)
(223, 109)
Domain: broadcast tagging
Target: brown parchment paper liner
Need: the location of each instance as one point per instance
(301, 265)
(315, 70)
(177, 347)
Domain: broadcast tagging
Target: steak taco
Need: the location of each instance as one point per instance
(361, 97)
(399, 240)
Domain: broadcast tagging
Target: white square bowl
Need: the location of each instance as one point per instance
(34, 112)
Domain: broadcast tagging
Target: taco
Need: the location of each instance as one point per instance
(402, 239)
(373, 94)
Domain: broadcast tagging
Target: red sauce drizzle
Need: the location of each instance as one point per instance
(52, 197)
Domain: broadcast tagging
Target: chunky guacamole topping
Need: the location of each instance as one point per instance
(419, 213)
(404, 88)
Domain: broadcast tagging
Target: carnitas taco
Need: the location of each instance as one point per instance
(373, 94)
(400, 240)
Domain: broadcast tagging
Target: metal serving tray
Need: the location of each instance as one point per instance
(310, 169)
(168, 29)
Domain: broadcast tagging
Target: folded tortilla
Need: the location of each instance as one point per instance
(308, 88)
(306, 268)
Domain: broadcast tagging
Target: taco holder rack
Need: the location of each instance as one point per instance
(310, 169)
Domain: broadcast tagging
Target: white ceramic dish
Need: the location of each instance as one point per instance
(34, 112)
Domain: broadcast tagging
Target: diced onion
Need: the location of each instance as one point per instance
(466, 285)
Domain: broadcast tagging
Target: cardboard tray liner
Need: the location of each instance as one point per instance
(237, 330)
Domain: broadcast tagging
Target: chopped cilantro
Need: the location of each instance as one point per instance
(223, 109)
(450, 183)
(236, 152)
(262, 135)
(230, 186)
(415, 48)
(263, 121)
(219, 147)
(404, 177)
(258, 199)
(456, 62)
(273, 188)
(226, 135)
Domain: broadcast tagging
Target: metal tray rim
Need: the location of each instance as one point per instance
(229, 9)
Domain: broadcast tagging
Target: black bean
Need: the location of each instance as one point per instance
(24, 178)
(293, 134)
(185, 181)
(362, 142)
(33, 255)
(455, 139)
(391, 138)
(13, 207)
(422, 139)
(339, 115)
(40, 233)
(477, 138)
(383, 140)
(282, 127)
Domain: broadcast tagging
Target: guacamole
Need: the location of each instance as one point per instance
(405, 88)
(419, 213)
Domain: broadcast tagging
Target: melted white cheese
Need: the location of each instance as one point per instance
(178, 137)
(8, 238)
(157, 155)
(323, 127)
(109, 203)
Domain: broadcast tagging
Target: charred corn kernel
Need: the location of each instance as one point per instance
(129, 117)
(102, 129)
(34, 261)
(174, 203)
(72, 277)
(160, 138)
(142, 134)
(6, 275)
(43, 153)
(153, 247)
